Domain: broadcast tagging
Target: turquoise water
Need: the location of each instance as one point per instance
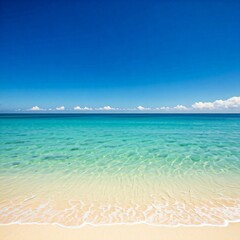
(100, 169)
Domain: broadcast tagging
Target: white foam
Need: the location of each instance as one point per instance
(79, 214)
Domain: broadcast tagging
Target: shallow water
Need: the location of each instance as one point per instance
(103, 169)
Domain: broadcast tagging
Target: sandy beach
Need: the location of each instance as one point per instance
(119, 120)
(99, 174)
(119, 232)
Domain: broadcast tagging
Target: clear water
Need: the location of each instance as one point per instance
(103, 169)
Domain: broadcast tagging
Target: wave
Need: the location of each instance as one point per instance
(78, 214)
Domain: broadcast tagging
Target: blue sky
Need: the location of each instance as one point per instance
(122, 54)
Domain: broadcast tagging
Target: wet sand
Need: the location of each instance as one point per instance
(119, 232)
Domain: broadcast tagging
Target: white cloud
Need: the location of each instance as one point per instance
(218, 105)
(62, 108)
(36, 108)
(203, 105)
(77, 108)
(163, 108)
(233, 102)
(141, 108)
(87, 108)
(180, 107)
(107, 108)
(84, 108)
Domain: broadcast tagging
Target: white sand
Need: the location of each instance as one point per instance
(119, 232)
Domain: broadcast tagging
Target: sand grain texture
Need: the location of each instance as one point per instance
(119, 232)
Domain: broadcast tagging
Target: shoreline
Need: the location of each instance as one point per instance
(119, 232)
(225, 224)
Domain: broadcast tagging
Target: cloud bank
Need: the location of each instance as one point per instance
(62, 108)
(106, 108)
(36, 108)
(180, 107)
(230, 104)
(176, 108)
(141, 108)
(78, 108)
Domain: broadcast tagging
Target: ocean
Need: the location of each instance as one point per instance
(159, 169)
